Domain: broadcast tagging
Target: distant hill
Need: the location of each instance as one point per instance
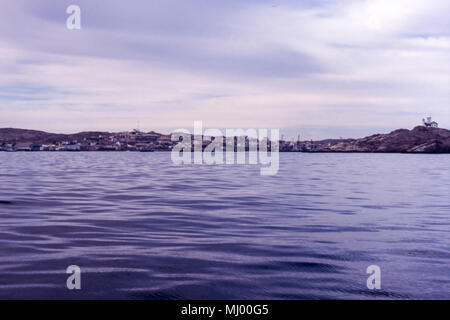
(21, 135)
(13, 135)
(418, 140)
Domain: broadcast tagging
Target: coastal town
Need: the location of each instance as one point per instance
(89, 141)
(425, 138)
(135, 140)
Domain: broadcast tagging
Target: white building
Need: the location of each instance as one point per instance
(428, 123)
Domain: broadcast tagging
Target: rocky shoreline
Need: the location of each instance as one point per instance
(418, 140)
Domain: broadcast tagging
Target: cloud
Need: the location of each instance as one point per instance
(373, 63)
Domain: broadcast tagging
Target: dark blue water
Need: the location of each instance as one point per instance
(142, 228)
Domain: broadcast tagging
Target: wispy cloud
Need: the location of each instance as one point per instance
(335, 66)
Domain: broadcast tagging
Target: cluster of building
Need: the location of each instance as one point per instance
(289, 145)
(133, 141)
(123, 141)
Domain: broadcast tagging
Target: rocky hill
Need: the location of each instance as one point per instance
(12, 135)
(418, 140)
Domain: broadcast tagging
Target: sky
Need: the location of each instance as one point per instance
(319, 68)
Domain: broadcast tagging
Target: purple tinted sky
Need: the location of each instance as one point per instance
(321, 68)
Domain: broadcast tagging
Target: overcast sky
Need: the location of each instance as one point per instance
(321, 68)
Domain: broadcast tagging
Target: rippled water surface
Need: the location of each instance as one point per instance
(142, 228)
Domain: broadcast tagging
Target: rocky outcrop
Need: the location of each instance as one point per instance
(418, 140)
